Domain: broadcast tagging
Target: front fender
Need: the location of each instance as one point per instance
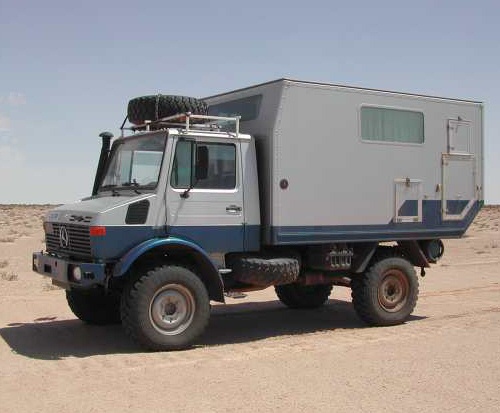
(209, 272)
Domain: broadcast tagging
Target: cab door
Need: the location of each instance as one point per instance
(205, 193)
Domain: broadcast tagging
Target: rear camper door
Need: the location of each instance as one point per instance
(458, 171)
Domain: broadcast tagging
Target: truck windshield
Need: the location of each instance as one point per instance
(135, 162)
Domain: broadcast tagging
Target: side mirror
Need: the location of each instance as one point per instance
(201, 171)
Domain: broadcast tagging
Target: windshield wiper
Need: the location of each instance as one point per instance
(133, 183)
(111, 187)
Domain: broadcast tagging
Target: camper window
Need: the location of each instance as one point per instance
(392, 125)
(248, 108)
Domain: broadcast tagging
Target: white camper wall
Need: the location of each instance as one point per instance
(310, 135)
(336, 178)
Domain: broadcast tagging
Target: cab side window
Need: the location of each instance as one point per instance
(218, 161)
(181, 170)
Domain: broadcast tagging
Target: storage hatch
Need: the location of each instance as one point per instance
(408, 200)
(459, 186)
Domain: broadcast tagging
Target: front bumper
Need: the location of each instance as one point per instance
(61, 271)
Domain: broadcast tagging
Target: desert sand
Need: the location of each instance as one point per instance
(256, 354)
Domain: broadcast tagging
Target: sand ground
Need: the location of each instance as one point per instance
(257, 355)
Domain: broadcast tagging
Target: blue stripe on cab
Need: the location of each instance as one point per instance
(232, 238)
(120, 239)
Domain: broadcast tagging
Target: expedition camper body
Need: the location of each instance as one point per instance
(300, 186)
(361, 165)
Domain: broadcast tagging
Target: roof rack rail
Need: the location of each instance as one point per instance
(183, 120)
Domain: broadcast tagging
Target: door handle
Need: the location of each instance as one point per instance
(233, 209)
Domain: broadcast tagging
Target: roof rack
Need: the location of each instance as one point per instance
(183, 120)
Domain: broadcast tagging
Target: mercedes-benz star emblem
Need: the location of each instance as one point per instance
(63, 237)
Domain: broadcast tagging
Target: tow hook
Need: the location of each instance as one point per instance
(422, 271)
(106, 282)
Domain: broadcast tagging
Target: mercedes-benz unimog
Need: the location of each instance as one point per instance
(296, 185)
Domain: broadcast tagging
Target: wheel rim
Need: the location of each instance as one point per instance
(393, 291)
(172, 309)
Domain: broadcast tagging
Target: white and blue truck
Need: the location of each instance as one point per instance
(297, 185)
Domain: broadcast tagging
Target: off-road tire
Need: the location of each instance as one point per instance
(167, 309)
(94, 306)
(154, 107)
(299, 296)
(265, 272)
(387, 293)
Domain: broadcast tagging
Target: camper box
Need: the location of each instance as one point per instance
(347, 164)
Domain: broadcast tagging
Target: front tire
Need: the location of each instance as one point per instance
(303, 296)
(167, 309)
(94, 306)
(387, 293)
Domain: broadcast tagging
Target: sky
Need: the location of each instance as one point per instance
(68, 69)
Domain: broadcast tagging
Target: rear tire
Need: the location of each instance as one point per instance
(387, 293)
(94, 306)
(303, 296)
(167, 309)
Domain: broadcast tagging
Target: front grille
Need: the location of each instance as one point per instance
(80, 218)
(78, 240)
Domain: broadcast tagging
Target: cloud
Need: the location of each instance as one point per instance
(4, 123)
(16, 99)
(10, 156)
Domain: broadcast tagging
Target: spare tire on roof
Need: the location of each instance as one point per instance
(154, 107)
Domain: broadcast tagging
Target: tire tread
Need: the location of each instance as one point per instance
(94, 307)
(265, 272)
(132, 314)
(365, 286)
(297, 296)
(154, 107)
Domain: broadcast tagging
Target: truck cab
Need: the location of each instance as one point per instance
(189, 193)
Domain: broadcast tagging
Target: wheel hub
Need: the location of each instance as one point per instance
(172, 309)
(393, 291)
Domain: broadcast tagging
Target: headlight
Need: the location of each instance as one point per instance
(77, 273)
